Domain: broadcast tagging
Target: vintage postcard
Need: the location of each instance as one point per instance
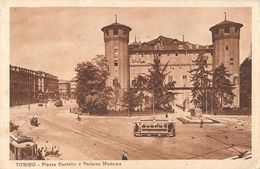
(130, 84)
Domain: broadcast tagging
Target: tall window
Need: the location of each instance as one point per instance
(184, 77)
(115, 51)
(169, 78)
(235, 80)
(133, 82)
(115, 62)
(115, 82)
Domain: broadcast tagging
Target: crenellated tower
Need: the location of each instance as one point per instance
(116, 37)
(225, 38)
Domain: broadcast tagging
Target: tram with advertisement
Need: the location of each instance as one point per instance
(154, 127)
(22, 147)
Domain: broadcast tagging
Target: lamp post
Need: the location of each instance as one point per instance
(155, 57)
(153, 103)
(206, 102)
(211, 97)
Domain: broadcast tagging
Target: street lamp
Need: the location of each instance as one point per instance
(206, 101)
(153, 103)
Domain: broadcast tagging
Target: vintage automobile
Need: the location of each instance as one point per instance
(154, 127)
(22, 147)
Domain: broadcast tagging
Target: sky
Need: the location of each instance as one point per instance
(56, 39)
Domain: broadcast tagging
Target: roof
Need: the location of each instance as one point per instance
(224, 23)
(163, 43)
(20, 137)
(116, 25)
(134, 44)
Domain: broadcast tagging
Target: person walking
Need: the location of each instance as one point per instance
(124, 155)
(43, 153)
(39, 154)
(201, 123)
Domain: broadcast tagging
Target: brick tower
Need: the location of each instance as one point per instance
(116, 37)
(225, 38)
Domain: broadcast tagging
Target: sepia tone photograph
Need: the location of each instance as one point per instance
(126, 83)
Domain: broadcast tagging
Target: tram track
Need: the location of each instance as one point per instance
(108, 140)
(123, 143)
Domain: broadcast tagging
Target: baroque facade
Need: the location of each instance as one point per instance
(126, 61)
(178, 54)
(29, 86)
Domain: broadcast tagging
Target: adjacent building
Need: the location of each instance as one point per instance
(73, 86)
(29, 86)
(127, 61)
(64, 89)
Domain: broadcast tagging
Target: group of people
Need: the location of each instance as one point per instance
(45, 151)
(34, 121)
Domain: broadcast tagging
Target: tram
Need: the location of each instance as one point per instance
(22, 147)
(154, 127)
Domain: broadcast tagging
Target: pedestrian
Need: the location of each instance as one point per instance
(43, 152)
(78, 118)
(124, 155)
(166, 115)
(47, 145)
(201, 123)
(39, 154)
(29, 107)
(54, 150)
(57, 151)
(173, 110)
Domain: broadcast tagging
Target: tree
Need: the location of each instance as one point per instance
(131, 99)
(101, 62)
(156, 83)
(200, 77)
(246, 83)
(139, 87)
(222, 86)
(92, 95)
